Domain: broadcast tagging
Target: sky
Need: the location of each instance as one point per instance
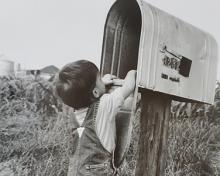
(37, 33)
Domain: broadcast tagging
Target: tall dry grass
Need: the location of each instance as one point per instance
(37, 133)
(194, 139)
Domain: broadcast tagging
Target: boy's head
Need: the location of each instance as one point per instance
(79, 84)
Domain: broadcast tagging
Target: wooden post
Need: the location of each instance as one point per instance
(154, 124)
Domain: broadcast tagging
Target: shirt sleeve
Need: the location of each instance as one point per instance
(114, 101)
(105, 119)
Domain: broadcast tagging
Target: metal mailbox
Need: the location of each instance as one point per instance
(171, 56)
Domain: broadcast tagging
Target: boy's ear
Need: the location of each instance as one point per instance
(96, 92)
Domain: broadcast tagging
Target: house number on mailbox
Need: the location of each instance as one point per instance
(176, 61)
(171, 62)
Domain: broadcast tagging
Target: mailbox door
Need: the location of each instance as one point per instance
(121, 39)
(119, 55)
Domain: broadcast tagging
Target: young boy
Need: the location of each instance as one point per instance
(80, 85)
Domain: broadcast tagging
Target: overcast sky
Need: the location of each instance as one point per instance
(38, 33)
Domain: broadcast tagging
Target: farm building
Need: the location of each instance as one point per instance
(48, 72)
(6, 66)
(45, 73)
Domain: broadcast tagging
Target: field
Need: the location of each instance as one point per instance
(38, 136)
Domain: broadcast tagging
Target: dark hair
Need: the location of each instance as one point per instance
(75, 83)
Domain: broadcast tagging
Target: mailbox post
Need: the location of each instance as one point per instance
(154, 124)
(173, 59)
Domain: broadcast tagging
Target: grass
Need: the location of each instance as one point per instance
(37, 133)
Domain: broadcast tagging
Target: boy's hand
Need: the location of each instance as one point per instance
(108, 79)
(129, 83)
(112, 80)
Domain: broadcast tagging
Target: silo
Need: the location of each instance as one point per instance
(6, 66)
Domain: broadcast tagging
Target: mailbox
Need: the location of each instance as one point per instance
(171, 56)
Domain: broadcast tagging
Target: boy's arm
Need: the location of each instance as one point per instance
(128, 84)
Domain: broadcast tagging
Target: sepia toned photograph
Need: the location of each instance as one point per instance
(109, 88)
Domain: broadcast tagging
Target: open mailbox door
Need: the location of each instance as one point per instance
(171, 56)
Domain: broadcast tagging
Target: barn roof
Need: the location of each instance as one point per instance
(51, 69)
